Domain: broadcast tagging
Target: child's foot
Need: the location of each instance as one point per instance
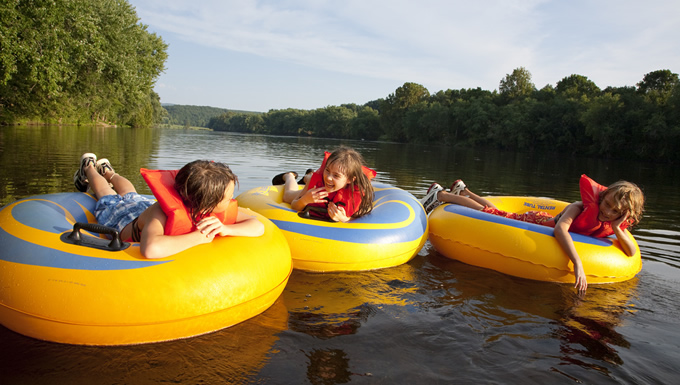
(457, 187)
(279, 179)
(430, 201)
(308, 175)
(80, 178)
(105, 169)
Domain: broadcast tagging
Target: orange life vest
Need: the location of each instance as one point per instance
(162, 185)
(587, 223)
(349, 200)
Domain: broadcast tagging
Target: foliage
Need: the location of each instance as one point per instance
(80, 61)
(194, 116)
(93, 61)
(577, 87)
(574, 117)
(518, 85)
(657, 86)
(393, 110)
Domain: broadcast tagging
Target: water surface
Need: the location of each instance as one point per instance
(432, 320)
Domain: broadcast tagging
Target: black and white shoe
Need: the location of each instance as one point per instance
(79, 178)
(457, 187)
(430, 202)
(104, 166)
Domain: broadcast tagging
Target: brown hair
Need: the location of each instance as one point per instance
(350, 161)
(202, 184)
(629, 198)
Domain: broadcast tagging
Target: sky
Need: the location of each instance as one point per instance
(306, 54)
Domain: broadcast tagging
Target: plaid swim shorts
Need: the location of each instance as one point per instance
(117, 211)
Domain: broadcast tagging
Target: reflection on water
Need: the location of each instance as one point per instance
(331, 305)
(432, 320)
(42, 160)
(584, 330)
(588, 327)
(231, 355)
(328, 366)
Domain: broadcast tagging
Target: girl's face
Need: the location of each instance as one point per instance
(334, 178)
(609, 209)
(228, 195)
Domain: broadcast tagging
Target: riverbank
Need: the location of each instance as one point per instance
(58, 122)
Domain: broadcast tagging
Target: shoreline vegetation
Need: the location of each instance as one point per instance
(39, 122)
(575, 117)
(78, 62)
(93, 63)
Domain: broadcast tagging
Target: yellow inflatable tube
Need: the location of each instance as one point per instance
(57, 291)
(390, 235)
(523, 249)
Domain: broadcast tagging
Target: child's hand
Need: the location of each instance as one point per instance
(337, 213)
(617, 222)
(210, 227)
(316, 195)
(581, 283)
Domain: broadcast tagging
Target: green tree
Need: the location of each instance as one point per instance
(198, 116)
(332, 122)
(394, 109)
(577, 87)
(220, 122)
(474, 116)
(518, 85)
(375, 104)
(604, 123)
(658, 86)
(292, 122)
(434, 124)
(77, 60)
(659, 128)
(414, 123)
(366, 125)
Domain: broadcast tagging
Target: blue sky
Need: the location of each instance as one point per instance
(276, 54)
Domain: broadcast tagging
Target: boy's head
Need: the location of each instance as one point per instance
(628, 197)
(202, 185)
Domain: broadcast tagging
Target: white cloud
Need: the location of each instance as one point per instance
(387, 39)
(440, 44)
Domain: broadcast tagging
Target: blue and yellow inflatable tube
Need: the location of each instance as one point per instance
(390, 235)
(61, 292)
(523, 249)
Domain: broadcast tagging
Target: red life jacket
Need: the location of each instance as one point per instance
(587, 223)
(162, 185)
(349, 200)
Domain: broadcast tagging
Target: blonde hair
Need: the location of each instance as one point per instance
(629, 198)
(350, 161)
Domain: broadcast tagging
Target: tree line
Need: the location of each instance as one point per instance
(574, 117)
(74, 61)
(193, 116)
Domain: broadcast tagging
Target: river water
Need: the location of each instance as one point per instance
(432, 320)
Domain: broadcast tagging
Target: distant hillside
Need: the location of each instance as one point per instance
(194, 116)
